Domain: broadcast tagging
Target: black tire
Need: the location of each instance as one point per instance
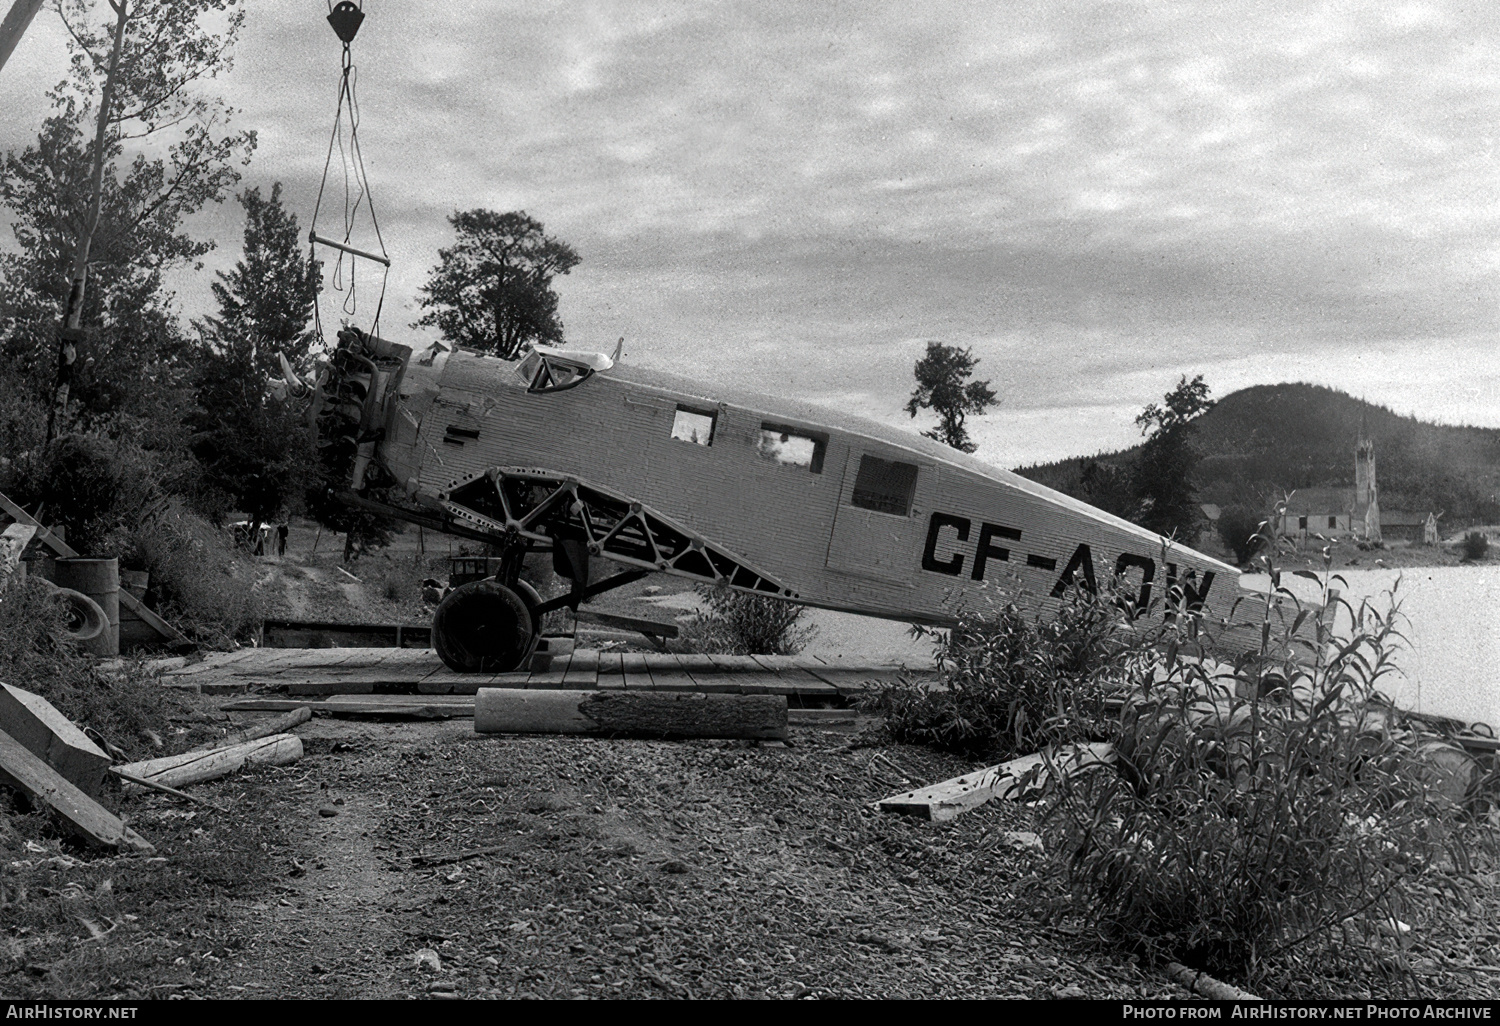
(482, 627)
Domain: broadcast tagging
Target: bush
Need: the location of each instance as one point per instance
(738, 623)
(1008, 682)
(1475, 546)
(96, 487)
(1239, 529)
(198, 581)
(1240, 831)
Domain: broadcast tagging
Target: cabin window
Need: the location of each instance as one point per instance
(1301, 523)
(792, 447)
(885, 486)
(1333, 521)
(696, 426)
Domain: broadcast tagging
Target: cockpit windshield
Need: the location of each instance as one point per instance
(555, 370)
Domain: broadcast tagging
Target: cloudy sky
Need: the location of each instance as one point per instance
(1097, 197)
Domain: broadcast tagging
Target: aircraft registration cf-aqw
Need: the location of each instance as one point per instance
(578, 454)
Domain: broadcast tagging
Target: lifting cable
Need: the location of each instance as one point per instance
(345, 17)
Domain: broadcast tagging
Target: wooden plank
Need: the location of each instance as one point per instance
(53, 738)
(418, 707)
(583, 669)
(611, 672)
(213, 763)
(469, 683)
(950, 798)
(330, 687)
(270, 705)
(552, 677)
(22, 770)
(650, 628)
(633, 668)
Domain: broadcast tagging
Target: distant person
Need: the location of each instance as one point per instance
(281, 533)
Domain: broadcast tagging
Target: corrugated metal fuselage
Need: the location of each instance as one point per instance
(848, 514)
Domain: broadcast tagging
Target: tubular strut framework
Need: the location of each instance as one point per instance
(525, 503)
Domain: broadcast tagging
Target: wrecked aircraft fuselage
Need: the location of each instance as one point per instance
(579, 455)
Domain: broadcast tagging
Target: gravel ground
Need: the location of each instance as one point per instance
(421, 860)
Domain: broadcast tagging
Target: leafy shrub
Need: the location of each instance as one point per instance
(93, 485)
(1240, 831)
(1008, 682)
(198, 582)
(1475, 546)
(737, 623)
(1239, 529)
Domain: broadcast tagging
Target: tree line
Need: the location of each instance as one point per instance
(111, 403)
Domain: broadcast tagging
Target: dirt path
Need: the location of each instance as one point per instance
(466, 866)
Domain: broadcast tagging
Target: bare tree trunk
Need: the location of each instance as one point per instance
(14, 26)
(72, 334)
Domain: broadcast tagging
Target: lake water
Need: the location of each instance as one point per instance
(1452, 665)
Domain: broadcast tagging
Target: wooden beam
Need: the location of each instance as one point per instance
(650, 628)
(14, 26)
(63, 549)
(53, 738)
(615, 714)
(195, 767)
(951, 798)
(23, 771)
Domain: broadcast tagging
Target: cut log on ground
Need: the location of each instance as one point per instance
(1206, 985)
(24, 772)
(196, 767)
(951, 798)
(275, 725)
(622, 714)
(52, 737)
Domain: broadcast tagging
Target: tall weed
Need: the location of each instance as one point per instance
(1266, 809)
(735, 623)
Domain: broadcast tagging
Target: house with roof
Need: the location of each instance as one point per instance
(1336, 513)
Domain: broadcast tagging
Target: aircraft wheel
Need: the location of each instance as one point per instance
(482, 627)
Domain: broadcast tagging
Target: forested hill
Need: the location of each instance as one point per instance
(1261, 442)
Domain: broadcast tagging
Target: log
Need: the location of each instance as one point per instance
(21, 770)
(276, 725)
(1206, 985)
(196, 767)
(50, 736)
(949, 799)
(616, 714)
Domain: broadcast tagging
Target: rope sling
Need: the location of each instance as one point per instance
(345, 17)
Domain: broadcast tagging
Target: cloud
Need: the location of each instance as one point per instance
(1096, 197)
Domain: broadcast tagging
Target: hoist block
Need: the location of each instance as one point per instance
(345, 19)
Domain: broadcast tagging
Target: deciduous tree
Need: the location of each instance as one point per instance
(943, 386)
(135, 144)
(492, 290)
(1163, 472)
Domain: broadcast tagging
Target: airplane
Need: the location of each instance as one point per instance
(587, 457)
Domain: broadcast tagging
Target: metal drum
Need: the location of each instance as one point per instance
(99, 579)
